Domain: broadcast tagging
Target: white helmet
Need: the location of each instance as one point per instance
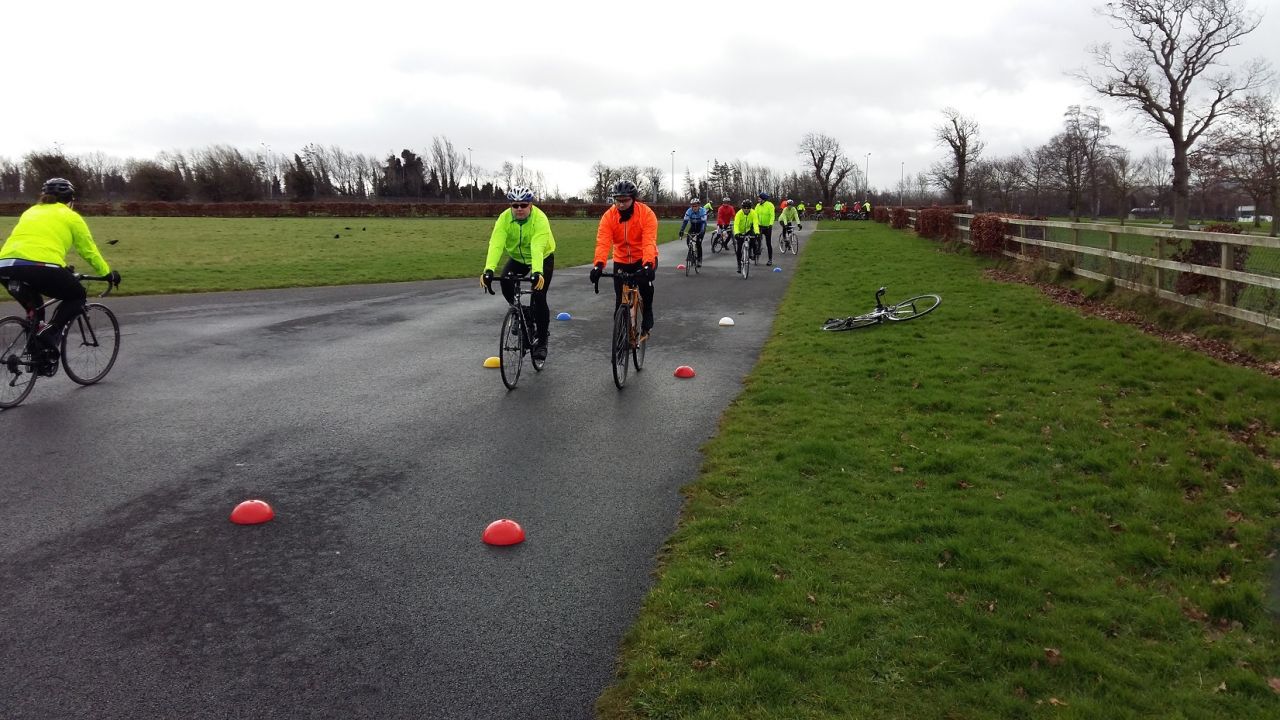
(520, 193)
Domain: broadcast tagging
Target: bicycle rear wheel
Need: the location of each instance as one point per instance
(914, 307)
(620, 346)
(511, 348)
(90, 344)
(16, 374)
(850, 323)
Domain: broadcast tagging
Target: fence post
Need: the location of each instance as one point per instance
(1111, 245)
(1159, 270)
(1223, 283)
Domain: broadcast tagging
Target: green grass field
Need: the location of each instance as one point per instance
(174, 255)
(1000, 510)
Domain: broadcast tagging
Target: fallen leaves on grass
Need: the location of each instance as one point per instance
(1274, 684)
(1053, 656)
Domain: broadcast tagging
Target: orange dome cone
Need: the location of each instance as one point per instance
(684, 371)
(252, 512)
(503, 532)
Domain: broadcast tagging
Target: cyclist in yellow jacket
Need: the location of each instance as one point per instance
(766, 215)
(33, 261)
(524, 232)
(745, 224)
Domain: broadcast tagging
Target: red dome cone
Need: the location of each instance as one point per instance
(503, 532)
(684, 371)
(252, 512)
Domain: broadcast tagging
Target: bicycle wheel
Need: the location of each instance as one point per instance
(850, 323)
(689, 260)
(637, 352)
(16, 374)
(511, 348)
(795, 245)
(914, 307)
(746, 263)
(620, 347)
(90, 344)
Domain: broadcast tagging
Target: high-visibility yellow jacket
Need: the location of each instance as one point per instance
(46, 232)
(765, 213)
(528, 242)
(746, 222)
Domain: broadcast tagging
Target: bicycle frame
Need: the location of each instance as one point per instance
(632, 299)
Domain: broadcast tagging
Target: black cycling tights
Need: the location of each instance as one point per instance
(646, 292)
(538, 301)
(54, 282)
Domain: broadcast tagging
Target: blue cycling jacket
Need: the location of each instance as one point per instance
(697, 216)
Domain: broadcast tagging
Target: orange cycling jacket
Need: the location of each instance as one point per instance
(632, 241)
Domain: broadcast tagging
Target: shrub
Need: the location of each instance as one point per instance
(986, 233)
(1207, 252)
(935, 223)
(899, 219)
(880, 214)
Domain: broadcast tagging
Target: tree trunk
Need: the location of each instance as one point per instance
(1181, 187)
(1275, 208)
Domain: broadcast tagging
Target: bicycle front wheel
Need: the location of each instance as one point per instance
(637, 351)
(90, 344)
(850, 323)
(17, 376)
(511, 348)
(689, 259)
(914, 307)
(620, 347)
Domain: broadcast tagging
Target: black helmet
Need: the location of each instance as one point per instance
(746, 204)
(60, 188)
(625, 187)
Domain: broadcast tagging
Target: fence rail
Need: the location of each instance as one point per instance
(1247, 267)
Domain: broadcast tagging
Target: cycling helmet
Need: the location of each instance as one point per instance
(746, 204)
(725, 200)
(60, 188)
(520, 193)
(625, 187)
(764, 195)
(695, 201)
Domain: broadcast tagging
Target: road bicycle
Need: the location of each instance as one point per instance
(908, 309)
(515, 340)
(749, 254)
(628, 342)
(721, 239)
(789, 241)
(691, 257)
(88, 345)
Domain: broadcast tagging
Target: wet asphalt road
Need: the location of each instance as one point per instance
(364, 416)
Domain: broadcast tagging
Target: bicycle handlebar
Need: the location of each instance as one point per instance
(623, 274)
(98, 278)
(513, 278)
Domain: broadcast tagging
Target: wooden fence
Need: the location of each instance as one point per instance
(1138, 258)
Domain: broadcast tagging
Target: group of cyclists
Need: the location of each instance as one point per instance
(750, 219)
(628, 231)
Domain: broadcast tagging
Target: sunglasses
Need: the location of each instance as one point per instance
(519, 206)
(623, 199)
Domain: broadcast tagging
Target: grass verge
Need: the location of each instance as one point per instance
(1000, 510)
(176, 255)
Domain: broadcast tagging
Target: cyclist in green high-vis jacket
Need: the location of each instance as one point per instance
(524, 233)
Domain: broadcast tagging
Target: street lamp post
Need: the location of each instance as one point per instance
(472, 170)
(521, 169)
(673, 176)
(266, 170)
(902, 180)
(866, 180)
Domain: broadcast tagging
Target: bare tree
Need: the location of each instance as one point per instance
(1159, 173)
(448, 162)
(1124, 175)
(960, 134)
(1248, 148)
(921, 183)
(653, 178)
(1038, 174)
(1174, 43)
(829, 164)
(1007, 178)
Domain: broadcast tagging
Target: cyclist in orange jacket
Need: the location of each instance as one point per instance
(630, 230)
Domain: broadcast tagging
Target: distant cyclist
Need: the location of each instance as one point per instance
(724, 214)
(524, 232)
(790, 215)
(35, 255)
(745, 224)
(766, 215)
(695, 218)
(629, 230)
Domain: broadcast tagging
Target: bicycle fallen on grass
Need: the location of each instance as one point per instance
(900, 311)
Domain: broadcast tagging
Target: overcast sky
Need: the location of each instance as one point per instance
(563, 84)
